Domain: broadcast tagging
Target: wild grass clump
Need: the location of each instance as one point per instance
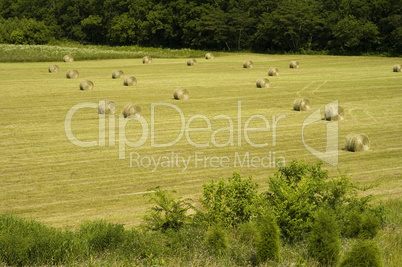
(216, 240)
(97, 236)
(26, 242)
(267, 239)
(324, 242)
(363, 253)
(362, 224)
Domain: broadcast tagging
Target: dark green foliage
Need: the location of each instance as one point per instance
(168, 212)
(324, 243)
(359, 218)
(143, 245)
(24, 31)
(97, 236)
(267, 239)
(342, 26)
(186, 240)
(356, 34)
(216, 240)
(27, 242)
(231, 202)
(361, 224)
(295, 193)
(363, 253)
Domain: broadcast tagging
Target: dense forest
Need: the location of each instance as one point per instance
(335, 26)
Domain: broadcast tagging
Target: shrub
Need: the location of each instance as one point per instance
(168, 213)
(187, 240)
(295, 192)
(216, 240)
(231, 202)
(143, 245)
(363, 253)
(324, 240)
(267, 241)
(243, 247)
(361, 224)
(358, 218)
(27, 242)
(99, 235)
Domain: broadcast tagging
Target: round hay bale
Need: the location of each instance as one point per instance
(333, 113)
(357, 142)
(147, 60)
(262, 83)
(86, 85)
(248, 64)
(294, 64)
(117, 74)
(273, 72)
(209, 56)
(130, 81)
(72, 74)
(131, 111)
(106, 107)
(54, 69)
(68, 58)
(191, 62)
(397, 68)
(181, 94)
(301, 104)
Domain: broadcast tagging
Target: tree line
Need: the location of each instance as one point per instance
(336, 26)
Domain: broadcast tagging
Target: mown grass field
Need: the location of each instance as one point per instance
(46, 177)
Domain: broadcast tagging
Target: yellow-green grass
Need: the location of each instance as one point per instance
(46, 177)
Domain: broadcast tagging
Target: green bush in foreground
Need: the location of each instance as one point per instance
(100, 235)
(324, 243)
(232, 201)
(267, 241)
(297, 191)
(27, 242)
(216, 240)
(361, 224)
(168, 212)
(364, 253)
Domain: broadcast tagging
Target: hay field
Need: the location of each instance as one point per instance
(46, 177)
